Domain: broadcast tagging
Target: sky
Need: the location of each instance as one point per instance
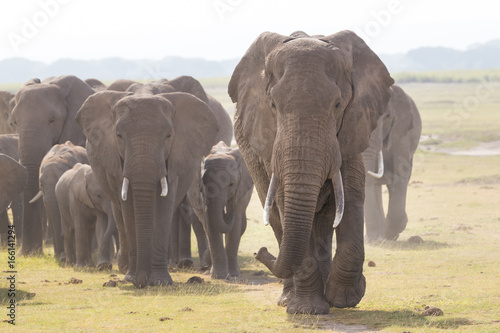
(48, 30)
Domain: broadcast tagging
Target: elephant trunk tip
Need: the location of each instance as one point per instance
(270, 262)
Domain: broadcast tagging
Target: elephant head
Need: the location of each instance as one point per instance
(7, 103)
(226, 181)
(154, 143)
(45, 115)
(305, 105)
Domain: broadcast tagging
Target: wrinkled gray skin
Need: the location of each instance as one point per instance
(13, 177)
(306, 107)
(120, 85)
(220, 199)
(59, 159)
(8, 146)
(7, 103)
(44, 115)
(397, 136)
(176, 129)
(85, 211)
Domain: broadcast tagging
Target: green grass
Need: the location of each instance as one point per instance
(452, 205)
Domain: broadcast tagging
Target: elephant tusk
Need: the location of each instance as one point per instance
(164, 186)
(225, 209)
(125, 188)
(271, 192)
(36, 197)
(380, 166)
(338, 189)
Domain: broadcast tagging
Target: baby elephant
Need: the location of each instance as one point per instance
(84, 210)
(226, 187)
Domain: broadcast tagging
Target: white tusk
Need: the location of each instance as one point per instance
(271, 192)
(225, 209)
(338, 190)
(380, 166)
(124, 188)
(164, 186)
(36, 197)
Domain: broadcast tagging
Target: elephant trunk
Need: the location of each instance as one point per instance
(144, 199)
(220, 215)
(302, 178)
(32, 226)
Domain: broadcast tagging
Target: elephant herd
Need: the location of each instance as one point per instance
(134, 166)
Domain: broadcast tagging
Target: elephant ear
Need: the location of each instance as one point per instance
(96, 120)
(13, 179)
(78, 185)
(75, 92)
(195, 128)
(246, 182)
(370, 81)
(247, 88)
(402, 120)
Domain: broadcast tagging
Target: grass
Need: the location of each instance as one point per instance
(452, 205)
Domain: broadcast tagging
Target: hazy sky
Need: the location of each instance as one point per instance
(47, 30)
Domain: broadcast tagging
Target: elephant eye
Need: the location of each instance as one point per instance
(337, 105)
(231, 184)
(51, 120)
(169, 135)
(119, 135)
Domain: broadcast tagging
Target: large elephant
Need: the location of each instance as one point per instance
(388, 161)
(145, 150)
(7, 103)
(60, 158)
(306, 107)
(220, 199)
(85, 211)
(13, 177)
(44, 115)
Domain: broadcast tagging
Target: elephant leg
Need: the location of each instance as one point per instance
(123, 254)
(346, 284)
(4, 226)
(83, 240)
(201, 239)
(128, 243)
(184, 217)
(17, 214)
(69, 247)
(218, 256)
(54, 224)
(374, 210)
(103, 245)
(396, 215)
(232, 242)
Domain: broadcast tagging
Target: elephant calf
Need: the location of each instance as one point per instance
(85, 210)
(220, 200)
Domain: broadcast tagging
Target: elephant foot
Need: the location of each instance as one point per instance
(288, 292)
(185, 263)
(308, 297)
(105, 266)
(129, 276)
(160, 278)
(342, 295)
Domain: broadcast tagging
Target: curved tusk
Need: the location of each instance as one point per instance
(36, 197)
(338, 190)
(164, 186)
(271, 192)
(124, 188)
(380, 166)
(225, 209)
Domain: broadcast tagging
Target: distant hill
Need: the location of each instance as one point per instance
(480, 56)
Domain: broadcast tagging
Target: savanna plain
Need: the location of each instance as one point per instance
(453, 205)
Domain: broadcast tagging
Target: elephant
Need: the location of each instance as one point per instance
(85, 211)
(305, 109)
(145, 150)
(95, 84)
(388, 161)
(8, 146)
(220, 199)
(120, 85)
(7, 103)
(60, 158)
(44, 115)
(13, 178)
